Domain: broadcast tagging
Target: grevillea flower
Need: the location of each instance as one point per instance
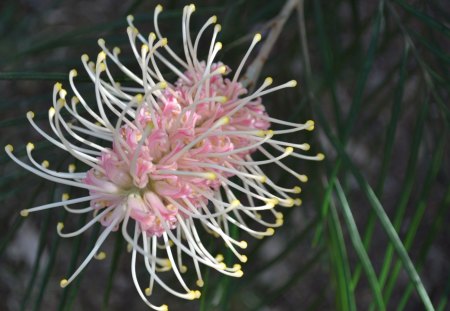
(170, 162)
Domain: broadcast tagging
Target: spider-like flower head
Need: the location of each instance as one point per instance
(168, 157)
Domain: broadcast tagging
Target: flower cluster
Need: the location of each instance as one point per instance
(169, 162)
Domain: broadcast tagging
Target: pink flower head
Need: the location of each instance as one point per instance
(171, 162)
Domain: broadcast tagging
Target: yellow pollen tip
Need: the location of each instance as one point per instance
(159, 8)
(65, 196)
(130, 18)
(191, 295)
(237, 267)
(101, 56)
(139, 98)
(210, 175)
(297, 189)
(116, 50)
(243, 258)
(30, 146)
(63, 283)
(222, 266)
(243, 244)
(9, 148)
(224, 120)
(147, 291)
(59, 226)
(219, 257)
(58, 86)
(263, 179)
(270, 231)
(24, 213)
(73, 73)
(164, 41)
(257, 37)
(30, 114)
(218, 28)
(268, 81)
(192, 7)
(297, 202)
(200, 283)
(289, 150)
(306, 146)
(222, 99)
(51, 111)
(101, 42)
(62, 93)
(85, 58)
(279, 215)
(214, 19)
(303, 178)
(239, 273)
(163, 85)
(222, 69)
(100, 256)
(45, 164)
(164, 308)
(235, 203)
(279, 222)
(144, 48)
(310, 125)
(152, 36)
(219, 45)
(320, 156)
(292, 83)
(290, 202)
(183, 269)
(72, 168)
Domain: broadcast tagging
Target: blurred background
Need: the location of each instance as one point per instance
(374, 75)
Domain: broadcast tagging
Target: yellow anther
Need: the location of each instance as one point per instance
(279, 215)
(148, 291)
(72, 168)
(279, 222)
(237, 267)
(224, 120)
(163, 84)
(200, 283)
(101, 42)
(24, 213)
(219, 257)
(289, 150)
(45, 164)
(159, 8)
(292, 83)
(191, 295)
(218, 27)
(222, 99)
(30, 114)
(144, 48)
(303, 178)
(297, 189)
(139, 98)
(85, 58)
(51, 112)
(164, 308)
(65, 196)
(183, 269)
(298, 202)
(9, 148)
(243, 258)
(73, 73)
(218, 45)
(130, 18)
(257, 37)
(310, 125)
(30, 146)
(290, 202)
(59, 226)
(243, 244)
(235, 203)
(129, 248)
(101, 67)
(222, 266)
(210, 175)
(270, 231)
(63, 283)
(101, 56)
(263, 179)
(214, 19)
(116, 50)
(62, 93)
(222, 69)
(320, 156)
(239, 273)
(164, 41)
(100, 256)
(268, 81)
(192, 7)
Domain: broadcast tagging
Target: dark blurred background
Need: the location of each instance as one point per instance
(374, 75)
